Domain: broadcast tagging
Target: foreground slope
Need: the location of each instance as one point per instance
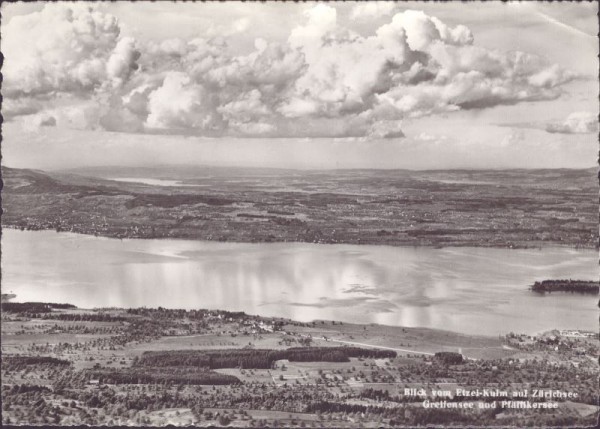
(64, 365)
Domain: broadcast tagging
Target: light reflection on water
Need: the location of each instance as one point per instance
(470, 290)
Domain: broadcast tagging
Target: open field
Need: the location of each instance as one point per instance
(512, 208)
(67, 373)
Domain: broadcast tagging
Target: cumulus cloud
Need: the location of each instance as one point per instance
(247, 107)
(325, 80)
(372, 9)
(238, 26)
(181, 103)
(576, 123)
(66, 48)
(413, 66)
(386, 130)
(123, 61)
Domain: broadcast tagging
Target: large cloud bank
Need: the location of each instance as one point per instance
(326, 80)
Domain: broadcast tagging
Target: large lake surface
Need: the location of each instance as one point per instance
(469, 290)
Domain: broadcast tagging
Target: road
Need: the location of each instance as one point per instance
(388, 348)
(377, 347)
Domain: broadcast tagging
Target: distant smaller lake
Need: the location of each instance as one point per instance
(153, 182)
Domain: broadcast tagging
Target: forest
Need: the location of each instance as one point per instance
(257, 358)
(579, 286)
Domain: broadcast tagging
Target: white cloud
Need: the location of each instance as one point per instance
(325, 80)
(413, 66)
(238, 26)
(247, 107)
(12, 107)
(427, 137)
(372, 9)
(181, 103)
(63, 48)
(386, 130)
(253, 128)
(576, 123)
(550, 77)
(123, 61)
(322, 19)
(515, 137)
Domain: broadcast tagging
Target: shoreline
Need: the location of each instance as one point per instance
(553, 245)
(420, 330)
(320, 331)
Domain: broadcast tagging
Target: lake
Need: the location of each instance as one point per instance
(153, 182)
(468, 290)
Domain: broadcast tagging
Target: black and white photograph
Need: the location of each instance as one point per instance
(314, 214)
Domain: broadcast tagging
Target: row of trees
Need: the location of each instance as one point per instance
(19, 389)
(17, 363)
(83, 317)
(33, 307)
(160, 376)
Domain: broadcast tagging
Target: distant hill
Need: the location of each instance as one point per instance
(6, 297)
(491, 208)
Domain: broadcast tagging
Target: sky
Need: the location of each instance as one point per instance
(300, 85)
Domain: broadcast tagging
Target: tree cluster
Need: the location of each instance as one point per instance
(448, 358)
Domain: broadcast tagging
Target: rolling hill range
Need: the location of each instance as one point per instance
(500, 208)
